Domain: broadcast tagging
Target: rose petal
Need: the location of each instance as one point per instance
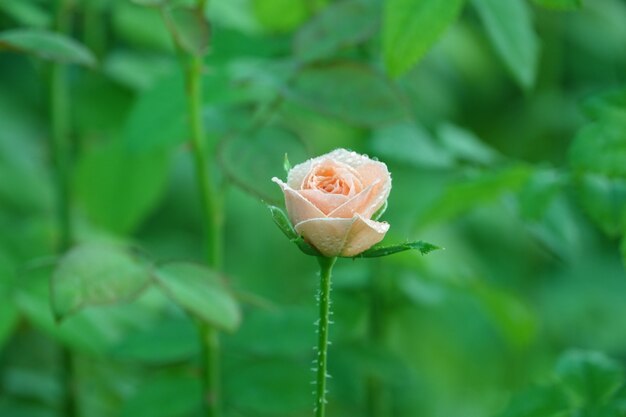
(359, 204)
(298, 173)
(345, 237)
(364, 234)
(299, 208)
(325, 202)
(375, 172)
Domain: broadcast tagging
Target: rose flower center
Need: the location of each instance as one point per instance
(333, 178)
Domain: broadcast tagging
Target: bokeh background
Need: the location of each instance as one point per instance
(503, 123)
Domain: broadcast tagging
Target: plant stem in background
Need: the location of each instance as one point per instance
(60, 147)
(326, 267)
(211, 217)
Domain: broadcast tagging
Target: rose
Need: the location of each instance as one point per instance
(330, 201)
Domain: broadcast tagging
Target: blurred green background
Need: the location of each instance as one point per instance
(503, 123)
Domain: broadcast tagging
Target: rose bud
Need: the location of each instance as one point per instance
(330, 201)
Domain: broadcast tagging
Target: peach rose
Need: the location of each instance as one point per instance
(330, 201)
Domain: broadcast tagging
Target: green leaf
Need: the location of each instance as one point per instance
(281, 15)
(201, 292)
(96, 274)
(339, 26)
(509, 26)
(165, 395)
(410, 144)
(190, 29)
(118, 188)
(47, 45)
(604, 200)
(377, 251)
(91, 331)
(623, 250)
(538, 402)
(466, 195)
(560, 4)
(600, 147)
(159, 117)
(178, 341)
(26, 13)
(590, 378)
(349, 91)
(465, 145)
(411, 27)
(252, 155)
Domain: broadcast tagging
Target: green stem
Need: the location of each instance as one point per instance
(211, 217)
(326, 267)
(60, 147)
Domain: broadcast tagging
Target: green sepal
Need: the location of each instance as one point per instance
(286, 164)
(378, 251)
(283, 223)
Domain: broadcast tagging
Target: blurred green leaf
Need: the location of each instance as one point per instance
(26, 13)
(159, 117)
(590, 378)
(410, 144)
(47, 45)
(560, 4)
(165, 396)
(118, 188)
(339, 26)
(548, 401)
(141, 27)
(466, 195)
(607, 106)
(604, 200)
(465, 145)
(201, 292)
(509, 26)
(281, 15)
(190, 28)
(96, 274)
(135, 69)
(89, 332)
(349, 91)
(411, 27)
(249, 157)
(178, 341)
(600, 148)
(378, 251)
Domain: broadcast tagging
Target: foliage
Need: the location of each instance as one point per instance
(503, 123)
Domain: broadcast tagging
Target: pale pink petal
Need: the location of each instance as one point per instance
(375, 172)
(345, 237)
(299, 208)
(298, 173)
(325, 202)
(363, 234)
(358, 204)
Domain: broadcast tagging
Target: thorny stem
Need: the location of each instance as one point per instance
(326, 267)
(60, 147)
